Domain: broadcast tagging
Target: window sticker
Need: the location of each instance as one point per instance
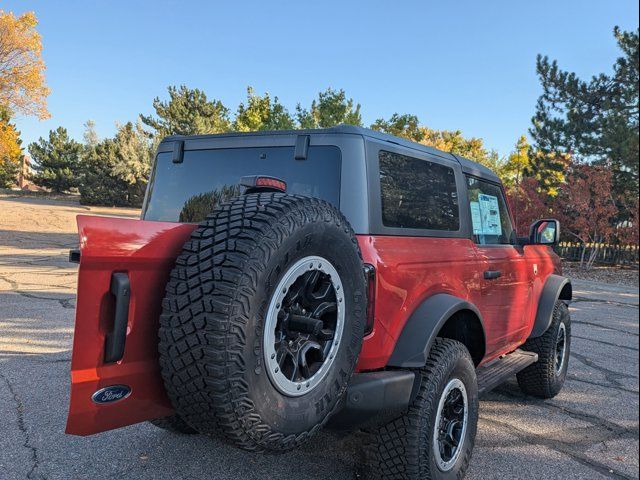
(476, 219)
(489, 214)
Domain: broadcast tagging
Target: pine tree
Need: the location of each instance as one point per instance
(331, 108)
(56, 161)
(593, 120)
(188, 112)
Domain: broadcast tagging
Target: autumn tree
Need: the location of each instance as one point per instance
(517, 164)
(10, 151)
(22, 85)
(331, 108)
(56, 161)
(188, 112)
(585, 207)
(409, 127)
(262, 113)
(595, 120)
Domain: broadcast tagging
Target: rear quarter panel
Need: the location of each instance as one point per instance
(409, 270)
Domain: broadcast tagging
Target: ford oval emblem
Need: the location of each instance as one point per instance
(111, 394)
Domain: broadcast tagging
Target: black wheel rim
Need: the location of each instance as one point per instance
(303, 326)
(451, 424)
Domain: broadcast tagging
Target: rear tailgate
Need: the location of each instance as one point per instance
(125, 262)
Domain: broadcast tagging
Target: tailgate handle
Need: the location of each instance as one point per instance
(114, 343)
(492, 274)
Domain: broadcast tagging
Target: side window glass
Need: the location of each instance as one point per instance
(417, 193)
(489, 214)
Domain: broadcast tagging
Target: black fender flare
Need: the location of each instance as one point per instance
(555, 287)
(422, 327)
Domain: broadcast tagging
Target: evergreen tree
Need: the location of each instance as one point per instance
(90, 135)
(115, 171)
(133, 161)
(549, 169)
(262, 113)
(99, 186)
(593, 120)
(329, 109)
(56, 161)
(405, 126)
(188, 112)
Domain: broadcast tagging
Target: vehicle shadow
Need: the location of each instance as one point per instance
(24, 239)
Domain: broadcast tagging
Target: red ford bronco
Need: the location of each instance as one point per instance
(278, 282)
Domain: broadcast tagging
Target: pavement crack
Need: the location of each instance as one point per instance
(603, 385)
(602, 342)
(22, 427)
(64, 302)
(607, 302)
(565, 449)
(611, 376)
(612, 427)
(605, 327)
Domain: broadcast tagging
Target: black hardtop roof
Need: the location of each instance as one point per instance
(468, 166)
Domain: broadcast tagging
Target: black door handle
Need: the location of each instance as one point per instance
(492, 274)
(114, 343)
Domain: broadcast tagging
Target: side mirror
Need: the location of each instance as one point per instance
(544, 232)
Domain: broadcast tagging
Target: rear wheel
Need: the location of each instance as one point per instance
(435, 438)
(546, 377)
(263, 320)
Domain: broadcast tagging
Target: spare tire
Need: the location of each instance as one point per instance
(263, 319)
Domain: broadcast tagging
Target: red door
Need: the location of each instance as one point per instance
(506, 288)
(124, 266)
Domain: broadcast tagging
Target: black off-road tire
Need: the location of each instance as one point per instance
(541, 379)
(211, 327)
(402, 449)
(174, 424)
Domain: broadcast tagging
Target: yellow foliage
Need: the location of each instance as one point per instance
(10, 153)
(22, 84)
(9, 146)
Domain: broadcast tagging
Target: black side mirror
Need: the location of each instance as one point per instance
(544, 232)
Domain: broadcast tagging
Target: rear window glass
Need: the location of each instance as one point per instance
(188, 191)
(418, 193)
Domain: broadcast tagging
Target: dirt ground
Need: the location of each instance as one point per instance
(589, 431)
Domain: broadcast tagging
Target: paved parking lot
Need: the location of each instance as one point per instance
(589, 431)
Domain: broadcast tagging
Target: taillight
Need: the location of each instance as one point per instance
(263, 183)
(370, 276)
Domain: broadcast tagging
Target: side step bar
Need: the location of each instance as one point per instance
(498, 371)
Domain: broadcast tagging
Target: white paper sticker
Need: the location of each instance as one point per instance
(476, 219)
(489, 214)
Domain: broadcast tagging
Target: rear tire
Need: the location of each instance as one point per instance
(234, 353)
(406, 447)
(546, 377)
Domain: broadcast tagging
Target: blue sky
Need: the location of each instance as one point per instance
(465, 65)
